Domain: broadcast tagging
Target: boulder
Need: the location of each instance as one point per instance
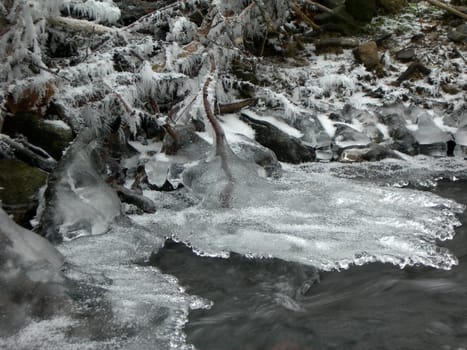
(287, 148)
(367, 53)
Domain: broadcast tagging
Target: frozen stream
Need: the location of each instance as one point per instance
(308, 222)
(271, 304)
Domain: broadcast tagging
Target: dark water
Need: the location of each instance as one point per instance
(272, 304)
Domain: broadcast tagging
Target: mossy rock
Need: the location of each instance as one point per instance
(46, 134)
(19, 185)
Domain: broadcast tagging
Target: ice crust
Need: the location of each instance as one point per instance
(147, 308)
(314, 219)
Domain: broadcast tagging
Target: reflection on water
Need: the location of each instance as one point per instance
(271, 304)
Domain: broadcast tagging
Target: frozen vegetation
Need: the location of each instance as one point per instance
(190, 124)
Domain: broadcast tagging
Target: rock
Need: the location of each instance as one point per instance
(391, 6)
(186, 144)
(415, 67)
(367, 53)
(370, 154)
(287, 148)
(252, 151)
(19, 186)
(52, 136)
(458, 34)
(362, 10)
(403, 140)
(406, 55)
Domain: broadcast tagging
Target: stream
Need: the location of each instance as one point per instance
(272, 304)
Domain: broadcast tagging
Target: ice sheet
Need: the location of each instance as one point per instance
(314, 219)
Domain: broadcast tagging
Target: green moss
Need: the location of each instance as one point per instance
(19, 182)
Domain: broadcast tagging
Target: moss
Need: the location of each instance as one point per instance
(19, 181)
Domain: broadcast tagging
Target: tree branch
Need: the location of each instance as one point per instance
(221, 151)
(448, 8)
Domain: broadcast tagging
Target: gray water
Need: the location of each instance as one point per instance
(272, 304)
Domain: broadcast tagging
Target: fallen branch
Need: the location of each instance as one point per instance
(29, 156)
(337, 42)
(221, 150)
(131, 197)
(236, 106)
(448, 8)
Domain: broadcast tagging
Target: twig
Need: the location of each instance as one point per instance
(50, 71)
(448, 8)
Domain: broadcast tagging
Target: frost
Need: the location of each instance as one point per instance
(100, 11)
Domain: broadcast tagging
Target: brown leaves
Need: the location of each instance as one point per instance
(30, 99)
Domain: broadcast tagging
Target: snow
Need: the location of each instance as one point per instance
(58, 124)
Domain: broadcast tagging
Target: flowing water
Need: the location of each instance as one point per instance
(272, 304)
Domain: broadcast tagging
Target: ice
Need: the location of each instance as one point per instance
(428, 132)
(314, 219)
(79, 202)
(136, 307)
(30, 247)
(28, 263)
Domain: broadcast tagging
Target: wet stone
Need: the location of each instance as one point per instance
(406, 55)
(458, 34)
